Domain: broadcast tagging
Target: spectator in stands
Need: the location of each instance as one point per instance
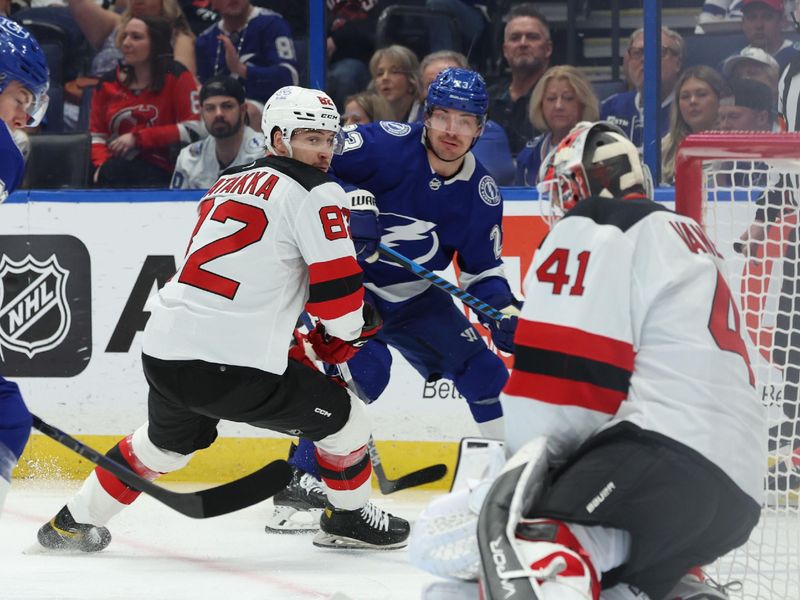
(561, 98)
(527, 48)
(230, 142)
(747, 107)
(350, 45)
(626, 108)
(142, 108)
(763, 22)
(253, 44)
(753, 63)
(491, 149)
(395, 76)
(366, 107)
(103, 29)
(697, 93)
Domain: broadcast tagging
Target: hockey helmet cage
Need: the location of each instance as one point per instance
(292, 108)
(22, 60)
(459, 89)
(594, 159)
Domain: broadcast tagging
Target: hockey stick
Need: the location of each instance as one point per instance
(417, 269)
(387, 485)
(212, 502)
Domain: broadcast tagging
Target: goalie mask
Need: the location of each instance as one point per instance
(22, 60)
(594, 159)
(292, 108)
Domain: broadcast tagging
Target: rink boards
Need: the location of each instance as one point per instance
(72, 338)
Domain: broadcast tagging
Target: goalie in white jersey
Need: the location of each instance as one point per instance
(630, 405)
(271, 240)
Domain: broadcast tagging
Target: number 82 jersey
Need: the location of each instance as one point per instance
(628, 317)
(271, 240)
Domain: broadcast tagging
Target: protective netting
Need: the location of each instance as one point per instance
(750, 210)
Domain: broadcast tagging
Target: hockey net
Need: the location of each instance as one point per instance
(722, 180)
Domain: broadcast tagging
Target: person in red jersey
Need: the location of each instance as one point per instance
(142, 108)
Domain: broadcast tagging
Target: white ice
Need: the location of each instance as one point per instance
(159, 554)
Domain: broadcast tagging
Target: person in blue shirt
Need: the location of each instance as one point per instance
(23, 101)
(434, 202)
(625, 109)
(251, 43)
(560, 99)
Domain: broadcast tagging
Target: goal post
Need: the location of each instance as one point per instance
(744, 189)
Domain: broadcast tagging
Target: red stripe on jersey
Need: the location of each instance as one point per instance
(564, 392)
(328, 270)
(576, 342)
(333, 309)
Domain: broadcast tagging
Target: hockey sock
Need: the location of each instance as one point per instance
(347, 477)
(305, 458)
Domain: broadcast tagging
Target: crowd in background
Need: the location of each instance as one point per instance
(134, 71)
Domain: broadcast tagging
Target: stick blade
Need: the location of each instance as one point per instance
(244, 492)
(413, 479)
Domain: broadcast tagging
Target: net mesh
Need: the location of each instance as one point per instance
(749, 208)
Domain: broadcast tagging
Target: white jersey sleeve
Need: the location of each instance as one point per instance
(628, 317)
(271, 240)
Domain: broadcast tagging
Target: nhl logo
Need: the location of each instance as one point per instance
(34, 312)
(435, 184)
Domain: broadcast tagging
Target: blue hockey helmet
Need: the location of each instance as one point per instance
(22, 60)
(459, 89)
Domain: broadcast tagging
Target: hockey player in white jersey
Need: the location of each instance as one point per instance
(230, 141)
(630, 406)
(271, 240)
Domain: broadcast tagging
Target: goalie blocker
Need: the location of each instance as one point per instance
(571, 532)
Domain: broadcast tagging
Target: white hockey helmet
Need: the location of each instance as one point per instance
(594, 159)
(294, 107)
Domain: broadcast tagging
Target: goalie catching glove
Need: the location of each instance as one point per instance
(364, 226)
(333, 350)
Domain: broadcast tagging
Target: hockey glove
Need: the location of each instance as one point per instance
(503, 330)
(364, 227)
(334, 350)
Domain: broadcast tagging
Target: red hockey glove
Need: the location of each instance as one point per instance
(333, 350)
(297, 351)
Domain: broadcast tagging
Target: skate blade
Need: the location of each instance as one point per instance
(340, 542)
(289, 520)
(37, 548)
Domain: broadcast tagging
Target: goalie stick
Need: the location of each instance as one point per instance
(409, 480)
(417, 269)
(203, 504)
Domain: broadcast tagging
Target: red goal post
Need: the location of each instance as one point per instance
(721, 181)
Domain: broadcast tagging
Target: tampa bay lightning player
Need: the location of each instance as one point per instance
(434, 202)
(23, 101)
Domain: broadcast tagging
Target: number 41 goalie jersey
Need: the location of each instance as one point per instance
(628, 318)
(271, 239)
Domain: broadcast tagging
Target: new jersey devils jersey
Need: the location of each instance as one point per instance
(157, 119)
(628, 317)
(425, 216)
(271, 239)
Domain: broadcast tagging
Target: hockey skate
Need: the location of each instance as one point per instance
(298, 507)
(366, 527)
(784, 475)
(63, 533)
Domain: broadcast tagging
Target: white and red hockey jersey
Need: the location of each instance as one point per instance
(628, 317)
(272, 238)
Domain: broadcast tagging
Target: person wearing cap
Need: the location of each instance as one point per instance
(230, 142)
(748, 107)
(753, 63)
(763, 22)
(625, 109)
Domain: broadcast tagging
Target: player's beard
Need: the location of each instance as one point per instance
(223, 129)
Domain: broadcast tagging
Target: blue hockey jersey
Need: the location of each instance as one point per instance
(424, 216)
(12, 166)
(265, 45)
